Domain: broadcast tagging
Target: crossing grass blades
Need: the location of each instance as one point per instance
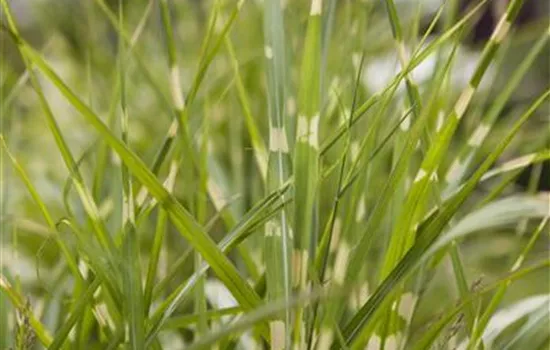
(274, 174)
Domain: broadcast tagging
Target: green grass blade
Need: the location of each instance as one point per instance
(428, 235)
(263, 313)
(85, 299)
(306, 161)
(429, 338)
(185, 223)
(71, 263)
(459, 167)
(85, 195)
(277, 231)
(403, 234)
(327, 240)
(19, 302)
(260, 151)
(132, 286)
(475, 338)
(244, 228)
(426, 177)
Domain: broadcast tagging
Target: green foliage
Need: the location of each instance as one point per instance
(272, 174)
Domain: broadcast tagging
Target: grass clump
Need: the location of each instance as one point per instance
(273, 175)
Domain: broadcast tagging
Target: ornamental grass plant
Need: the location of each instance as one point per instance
(273, 175)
